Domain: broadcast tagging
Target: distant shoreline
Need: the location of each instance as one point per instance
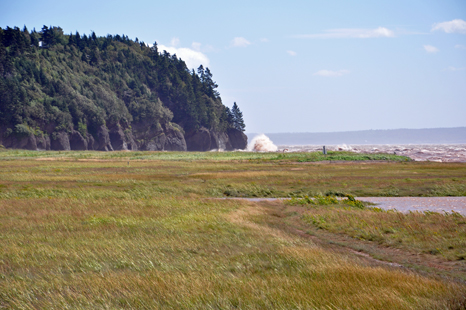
(372, 144)
(426, 136)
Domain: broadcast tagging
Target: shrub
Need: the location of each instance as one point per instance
(22, 130)
(8, 132)
(82, 128)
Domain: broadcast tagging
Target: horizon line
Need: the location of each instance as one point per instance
(307, 132)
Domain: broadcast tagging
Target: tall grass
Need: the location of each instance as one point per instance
(190, 156)
(425, 232)
(183, 254)
(106, 234)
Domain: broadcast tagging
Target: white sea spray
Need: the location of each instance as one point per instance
(262, 143)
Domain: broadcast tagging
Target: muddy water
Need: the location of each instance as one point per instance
(418, 152)
(406, 204)
(421, 204)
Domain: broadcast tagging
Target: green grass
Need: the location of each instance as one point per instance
(190, 156)
(99, 233)
(424, 232)
(218, 174)
(338, 156)
(181, 254)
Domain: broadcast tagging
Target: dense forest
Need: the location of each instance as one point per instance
(76, 91)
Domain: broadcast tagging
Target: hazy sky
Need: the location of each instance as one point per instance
(297, 66)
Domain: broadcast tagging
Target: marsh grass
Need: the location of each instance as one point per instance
(182, 254)
(442, 234)
(338, 156)
(224, 174)
(190, 156)
(102, 234)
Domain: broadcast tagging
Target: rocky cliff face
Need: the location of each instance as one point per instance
(238, 139)
(146, 137)
(206, 140)
(157, 137)
(26, 142)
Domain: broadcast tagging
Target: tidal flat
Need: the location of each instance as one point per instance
(125, 230)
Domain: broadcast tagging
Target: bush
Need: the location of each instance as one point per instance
(22, 130)
(82, 128)
(327, 200)
(8, 132)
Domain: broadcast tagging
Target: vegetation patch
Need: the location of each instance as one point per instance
(442, 234)
(338, 156)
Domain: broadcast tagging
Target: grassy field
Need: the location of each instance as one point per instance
(427, 235)
(218, 156)
(428, 232)
(123, 230)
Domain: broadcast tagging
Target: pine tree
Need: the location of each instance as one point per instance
(201, 73)
(209, 85)
(238, 122)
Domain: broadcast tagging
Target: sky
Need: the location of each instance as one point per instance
(297, 66)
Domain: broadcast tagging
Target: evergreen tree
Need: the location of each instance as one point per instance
(238, 122)
(229, 116)
(209, 85)
(46, 36)
(201, 73)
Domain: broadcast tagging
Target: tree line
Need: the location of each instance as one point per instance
(85, 81)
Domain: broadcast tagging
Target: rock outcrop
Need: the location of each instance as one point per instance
(27, 142)
(206, 140)
(174, 139)
(155, 144)
(77, 141)
(198, 140)
(220, 141)
(90, 142)
(117, 138)
(146, 137)
(238, 139)
(60, 141)
(156, 137)
(43, 142)
(102, 143)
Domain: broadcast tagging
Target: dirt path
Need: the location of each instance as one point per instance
(277, 222)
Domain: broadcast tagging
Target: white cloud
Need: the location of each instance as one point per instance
(456, 25)
(430, 49)
(292, 53)
(460, 46)
(175, 42)
(240, 42)
(264, 40)
(196, 46)
(202, 48)
(455, 69)
(191, 57)
(330, 73)
(358, 33)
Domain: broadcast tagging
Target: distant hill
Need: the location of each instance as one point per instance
(391, 136)
(79, 92)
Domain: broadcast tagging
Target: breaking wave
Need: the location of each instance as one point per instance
(344, 147)
(262, 143)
